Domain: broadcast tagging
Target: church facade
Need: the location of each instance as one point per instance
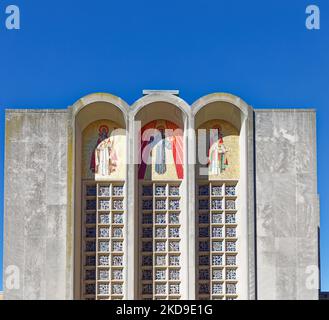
(161, 200)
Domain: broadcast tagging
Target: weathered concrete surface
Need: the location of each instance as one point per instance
(39, 193)
(36, 202)
(287, 204)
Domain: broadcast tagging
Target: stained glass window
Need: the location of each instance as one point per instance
(203, 218)
(216, 204)
(230, 274)
(204, 190)
(160, 205)
(160, 190)
(117, 289)
(174, 246)
(203, 204)
(90, 260)
(160, 218)
(147, 190)
(204, 232)
(147, 289)
(216, 190)
(104, 265)
(104, 232)
(174, 274)
(117, 232)
(160, 232)
(160, 246)
(104, 191)
(160, 260)
(104, 274)
(90, 246)
(230, 190)
(117, 260)
(174, 289)
(204, 288)
(217, 218)
(231, 246)
(147, 233)
(231, 288)
(147, 275)
(217, 260)
(104, 246)
(217, 232)
(217, 274)
(230, 204)
(117, 274)
(173, 204)
(147, 204)
(117, 204)
(147, 246)
(104, 260)
(173, 232)
(147, 218)
(117, 191)
(117, 218)
(117, 246)
(160, 275)
(160, 289)
(91, 191)
(203, 260)
(230, 260)
(90, 275)
(217, 246)
(91, 205)
(204, 274)
(230, 218)
(90, 288)
(174, 218)
(217, 243)
(217, 288)
(174, 190)
(147, 260)
(90, 218)
(204, 246)
(91, 232)
(103, 288)
(230, 232)
(104, 218)
(104, 204)
(174, 260)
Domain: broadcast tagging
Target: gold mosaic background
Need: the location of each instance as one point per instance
(231, 142)
(89, 141)
(171, 173)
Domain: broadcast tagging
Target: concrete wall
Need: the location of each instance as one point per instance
(287, 204)
(38, 221)
(36, 202)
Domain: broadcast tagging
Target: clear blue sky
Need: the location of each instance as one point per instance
(258, 50)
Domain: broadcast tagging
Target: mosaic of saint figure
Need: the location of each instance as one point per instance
(104, 159)
(161, 143)
(158, 146)
(218, 161)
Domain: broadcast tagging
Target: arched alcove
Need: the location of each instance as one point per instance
(223, 206)
(161, 198)
(100, 202)
(175, 186)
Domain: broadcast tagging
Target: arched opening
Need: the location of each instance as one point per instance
(221, 198)
(100, 183)
(161, 199)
